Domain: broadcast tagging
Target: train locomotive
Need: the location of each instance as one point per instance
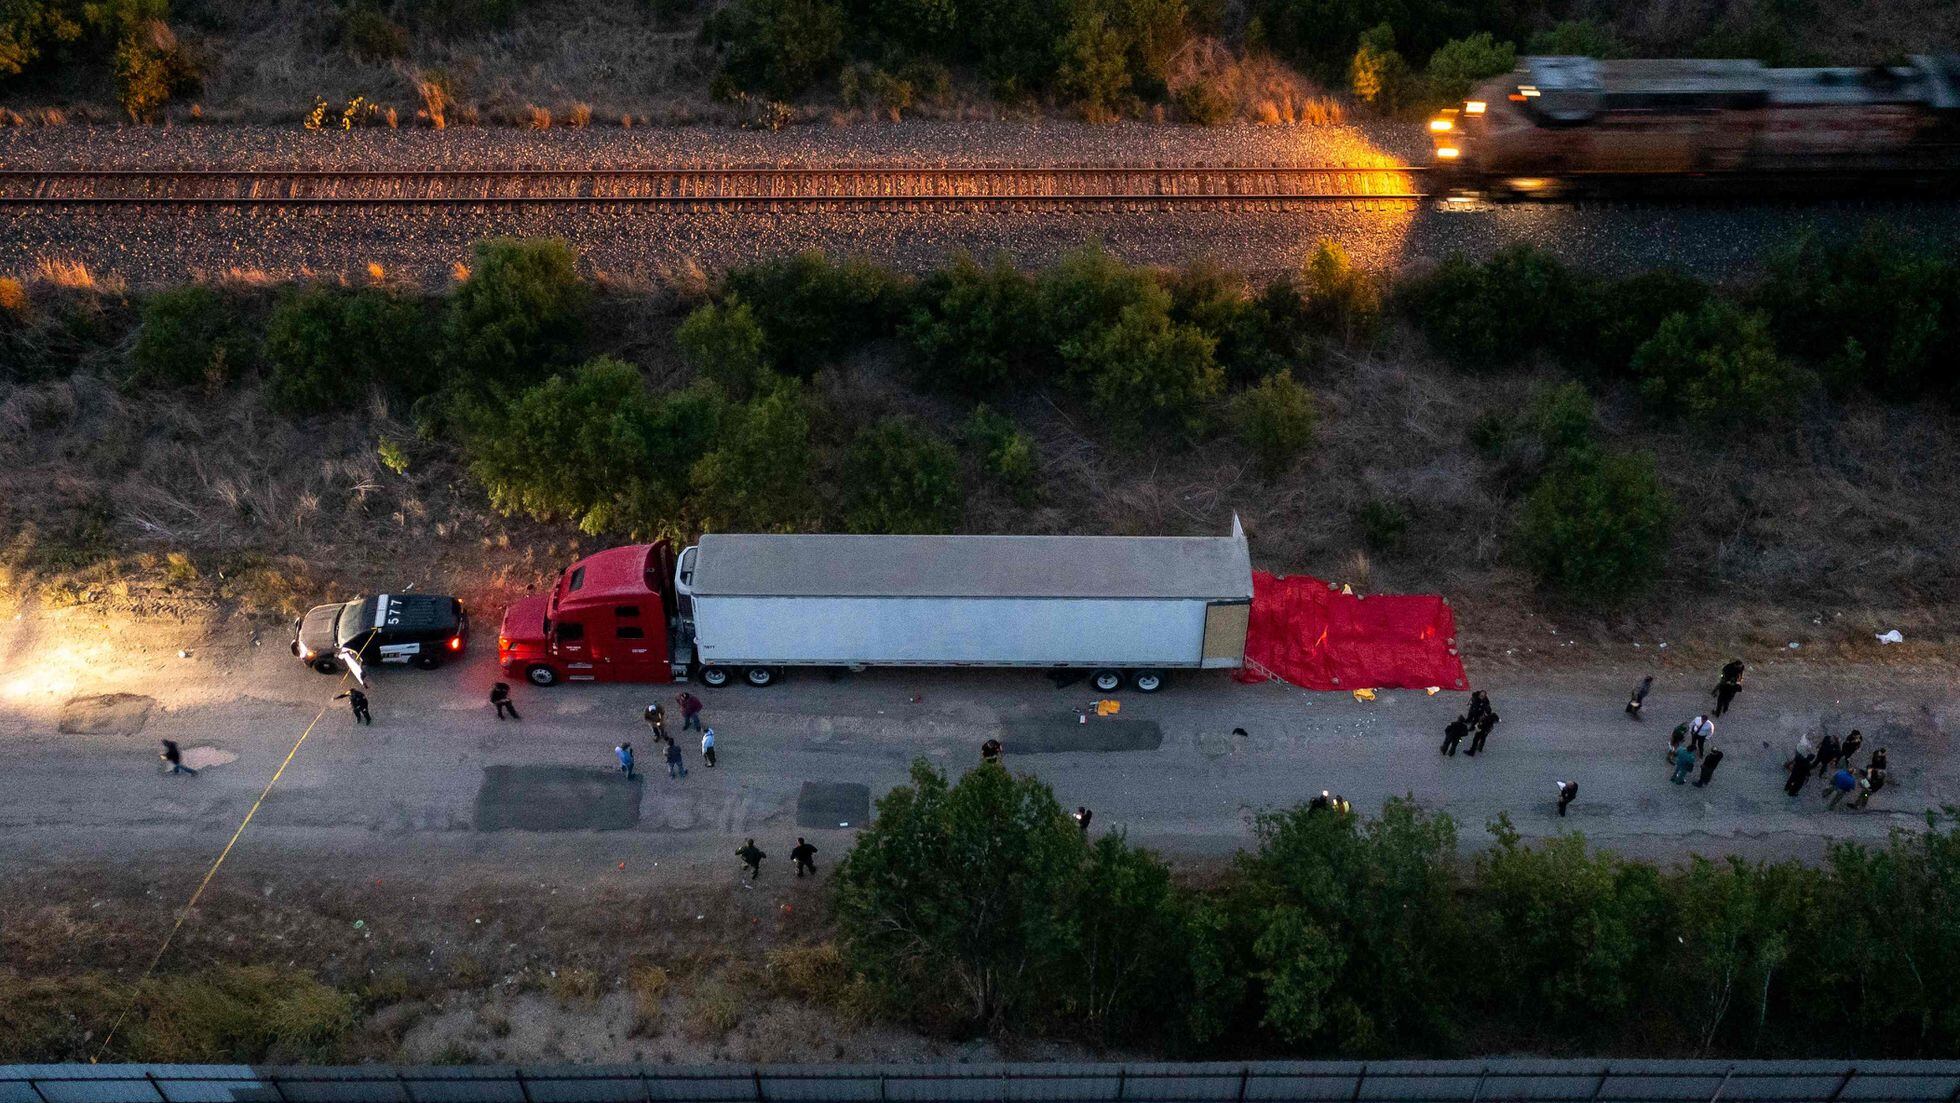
(1557, 125)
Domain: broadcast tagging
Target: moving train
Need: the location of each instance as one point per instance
(1563, 124)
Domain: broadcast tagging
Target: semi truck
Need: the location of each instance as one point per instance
(1127, 609)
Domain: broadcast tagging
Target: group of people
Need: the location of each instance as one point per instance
(655, 716)
(1836, 763)
(1481, 719)
(802, 854)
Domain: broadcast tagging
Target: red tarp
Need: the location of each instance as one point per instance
(1317, 637)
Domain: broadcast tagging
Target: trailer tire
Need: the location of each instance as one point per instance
(540, 675)
(1107, 681)
(761, 676)
(1147, 681)
(326, 666)
(714, 677)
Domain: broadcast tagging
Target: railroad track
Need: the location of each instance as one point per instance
(1014, 187)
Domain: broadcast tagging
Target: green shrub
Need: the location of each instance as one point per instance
(1340, 299)
(1148, 379)
(1005, 454)
(900, 478)
(813, 310)
(1378, 76)
(977, 331)
(1275, 419)
(238, 1013)
(1384, 524)
(1577, 38)
(725, 344)
(875, 89)
(1459, 64)
(367, 33)
(1595, 528)
(327, 346)
(520, 315)
(1627, 312)
(593, 447)
(1716, 365)
(1205, 103)
(151, 68)
(1219, 301)
(756, 477)
(1562, 418)
(1094, 73)
(1087, 290)
(189, 336)
(777, 47)
(1494, 313)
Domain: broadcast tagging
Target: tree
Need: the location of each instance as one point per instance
(1087, 291)
(1738, 923)
(328, 346)
(1563, 419)
(777, 47)
(900, 478)
(1377, 75)
(813, 310)
(962, 891)
(1147, 377)
(1716, 365)
(977, 331)
(1624, 315)
(150, 68)
(520, 314)
(1218, 300)
(1094, 72)
(1460, 63)
(1125, 922)
(724, 343)
(1491, 314)
(1595, 527)
(1275, 419)
(189, 336)
(1340, 299)
(757, 475)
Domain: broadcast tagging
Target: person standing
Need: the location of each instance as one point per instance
(1568, 791)
(1479, 707)
(708, 747)
(1684, 761)
(1799, 773)
(1484, 725)
(990, 750)
(1700, 731)
(1708, 763)
(1639, 696)
(1674, 740)
(752, 857)
(174, 759)
(1453, 733)
(500, 697)
(624, 752)
(1082, 818)
(1852, 744)
(656, 718)
(1879, 761)
(357, 701)
(1872, 782)
(805, 857)
(1842, 782)
(1828, 753)
(690, 710)
(1728, 686)
(675, 767)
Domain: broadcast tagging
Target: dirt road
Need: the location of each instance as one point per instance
(438, 787)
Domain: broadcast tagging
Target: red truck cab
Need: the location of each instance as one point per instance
(605, 620)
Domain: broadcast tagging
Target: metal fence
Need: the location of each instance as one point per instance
(1266, 1082)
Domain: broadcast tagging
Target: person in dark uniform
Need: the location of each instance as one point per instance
(805, 857)
(1799, 773)
(1708, 764)
(990, 751)
(500, 697)
(1322, 803)
(752, 857)
(1453, 734)
(1852, 744)
(357, 701)
(1479, 707)
(1567, 792)
(1484, 725)
(1639, 696)
(1729, 685)
(174, 759)
(1828, 752)
(1083, 816)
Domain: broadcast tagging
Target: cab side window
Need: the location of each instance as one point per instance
(626, 610)
(630, 632)
(570, 631)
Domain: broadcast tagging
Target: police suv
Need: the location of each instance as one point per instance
(424, 629)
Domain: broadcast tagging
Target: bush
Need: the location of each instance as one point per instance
(1006, 455)
(189, 336)
(812, 310)
(1491, 314)
(1577, 38)
(756, 478)
(151, 68)
(977, 331)
(900, 478)
(1219, 302)
(1206, 103)
(1716, 365)
(595, 448)
(1595, 528)
(327, 346)
(1087, 290)
(1275, 420)
(1094, 74)
(1339, 299)
(778, 47)
(1562, 418)
(1460, 63)
(238, 1013)
(1384, 525)
(1627, 312)
(1874, 313)
(725, 344)
(1377, 75)
(1148, 378)
(367, 33)
(519, 315)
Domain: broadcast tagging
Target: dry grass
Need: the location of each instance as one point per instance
(713, 1011)
(573, 985)
(1261, 89)
(648, 984)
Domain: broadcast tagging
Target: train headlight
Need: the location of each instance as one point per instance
(1440, 125)
(1447, 153)
(1473, 107)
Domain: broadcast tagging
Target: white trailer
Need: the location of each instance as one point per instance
(1128, 608)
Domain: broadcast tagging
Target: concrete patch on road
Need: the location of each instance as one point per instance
(555, 798)
(1066, 736)
(107, 714)
(833, 804)
(203, 758)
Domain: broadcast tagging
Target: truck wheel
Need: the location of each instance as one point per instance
(714, 677)
(1147, 681)
(1107, 681)
(760, 676)
(326, 666)
(541, 675)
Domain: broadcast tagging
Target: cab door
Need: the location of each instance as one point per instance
(573, 651)
(638, 649)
